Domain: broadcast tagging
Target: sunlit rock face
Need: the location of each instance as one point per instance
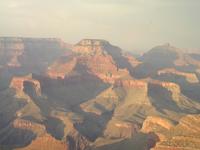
(105, 68)
(92, 55)
(95, 58)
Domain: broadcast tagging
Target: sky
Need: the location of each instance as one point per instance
(130, 24)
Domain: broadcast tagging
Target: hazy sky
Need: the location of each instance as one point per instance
(130, 24)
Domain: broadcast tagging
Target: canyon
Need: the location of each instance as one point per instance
(94, 96)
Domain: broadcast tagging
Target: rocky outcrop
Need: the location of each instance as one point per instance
(190, 77)
(120, 129)
(104, 68)
(90, 46)
(17, 83)
(183, 136)
(36, 128)
(152, 120)
(153, 124)
(170, 86)
(102, 59)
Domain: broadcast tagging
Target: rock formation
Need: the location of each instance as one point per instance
(190, 77)
(183, 136)
(119, 129)
(93, 56)
(90, 46)
(93, 96)
(153, 124)
(18, 83)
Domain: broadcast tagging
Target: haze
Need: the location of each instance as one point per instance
(130, 24)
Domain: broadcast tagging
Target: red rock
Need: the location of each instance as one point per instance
(17, 83)
(46, 142)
